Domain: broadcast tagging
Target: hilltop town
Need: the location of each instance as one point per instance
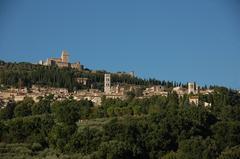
(58, 109)
(114, 91)
(99, 99)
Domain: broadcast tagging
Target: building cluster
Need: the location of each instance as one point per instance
(95, 95)
(192, 91)
(155, 90)
(14, 94)
(61, 62)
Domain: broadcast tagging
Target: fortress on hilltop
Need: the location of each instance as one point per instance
(61, 62)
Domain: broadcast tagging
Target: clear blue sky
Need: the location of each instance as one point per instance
(181, 40)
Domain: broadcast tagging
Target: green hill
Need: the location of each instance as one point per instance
(27, 74)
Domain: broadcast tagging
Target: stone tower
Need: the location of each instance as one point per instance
(65, 56)
(192, 88)
(107, 83)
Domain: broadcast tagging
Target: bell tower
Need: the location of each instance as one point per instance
(107, 83)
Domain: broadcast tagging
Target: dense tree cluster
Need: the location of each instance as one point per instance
(150, 128)
(27, 74)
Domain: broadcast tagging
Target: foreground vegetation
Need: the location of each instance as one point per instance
(153, 128)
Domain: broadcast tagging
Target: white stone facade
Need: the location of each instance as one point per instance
(107, 83)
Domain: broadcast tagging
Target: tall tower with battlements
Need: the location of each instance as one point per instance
(107, 83)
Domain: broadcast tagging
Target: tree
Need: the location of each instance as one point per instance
(154, 109)
(29, 129)
(158, 140)
(43, 106)
(226, 134)
(114, 150)
(136, 110)
(85, 141)
(23, 108)
(8, 111)
(170, 155)
(60, 135)
(110, 112)
(2, 130)
(130, 95)
(231, 153)
(68, 112)
(197, 148)
(172, 99)
(85, 108)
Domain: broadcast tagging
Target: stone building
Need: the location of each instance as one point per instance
(194, 100)
(155, 90)
(61, 62)
(180, 91)
(76, 65)
(192, 88)
(82, 80)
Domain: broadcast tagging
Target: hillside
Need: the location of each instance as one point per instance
(12, 74)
